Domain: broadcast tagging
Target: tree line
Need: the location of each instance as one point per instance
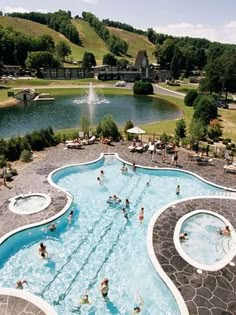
(116, 45)
(123, 26)
(59, 21)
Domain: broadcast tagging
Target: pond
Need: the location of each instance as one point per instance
(65, 112)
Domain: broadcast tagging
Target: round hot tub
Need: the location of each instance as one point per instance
(30, 203)
(205, 246)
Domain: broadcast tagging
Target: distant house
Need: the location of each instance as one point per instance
(11, 70)
(26, 95)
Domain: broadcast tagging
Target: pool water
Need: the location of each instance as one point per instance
(100, 242)
(205, 245)
(25, 205)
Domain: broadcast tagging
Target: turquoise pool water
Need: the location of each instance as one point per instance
(100, 242)
(205, 244)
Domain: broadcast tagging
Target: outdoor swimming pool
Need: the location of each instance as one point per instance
(100, 242)
(205, 245)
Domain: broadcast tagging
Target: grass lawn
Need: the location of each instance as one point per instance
(183, 88)
(228, 118)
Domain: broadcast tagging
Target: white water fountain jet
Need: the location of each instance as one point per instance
(91, 97)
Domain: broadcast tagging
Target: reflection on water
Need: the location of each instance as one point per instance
(64, 113)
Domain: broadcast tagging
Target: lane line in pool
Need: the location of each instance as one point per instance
(68, 289)
(47, 287)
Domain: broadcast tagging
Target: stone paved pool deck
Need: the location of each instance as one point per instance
(211, 293)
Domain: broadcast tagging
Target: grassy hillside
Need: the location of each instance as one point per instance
(90, 40)
(136, 42)
(36, 29)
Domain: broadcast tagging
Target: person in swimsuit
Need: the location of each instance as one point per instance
(138, 305)
(85, 298)
(70, 217)
(141, 215)
(178, 190)
(20, 284)
(104, 287)
(42, 250)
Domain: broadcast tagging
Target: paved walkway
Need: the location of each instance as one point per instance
(33, 177)
(10, 305)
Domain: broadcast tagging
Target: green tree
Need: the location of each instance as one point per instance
(109, 59)
(39, 59)
(89, 60)
(214, 130)
(142, 88)
(205, 110)
(180, 130)
(190, 97)
(176, 64)
(108, 128)
(63, 50)
(128, 125)
(122, 63)
(85, 123)
(197, 129)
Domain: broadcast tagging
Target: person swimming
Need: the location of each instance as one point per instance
(70, 217)
(183, 236)
(124, 168)
(127, 203)
(226, 231)
(104, 287)
(138, 305)
(85, 298)
(52, 227)
(42, 250)
(141, 215)
(20, 284)
(178, 190)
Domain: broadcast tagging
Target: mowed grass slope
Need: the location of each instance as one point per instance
(90, 40)
(136, 42)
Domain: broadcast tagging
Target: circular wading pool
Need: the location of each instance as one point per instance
(205, 247)
(30, 203)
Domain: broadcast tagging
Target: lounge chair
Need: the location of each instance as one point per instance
(81, 134)
(74, 145)
(142, 148)
(230, 168)
(91, 140)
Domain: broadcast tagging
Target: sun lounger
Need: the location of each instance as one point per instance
(74, 145)
(230, 168)
(142, 148)
(132, 148)
(91, 140)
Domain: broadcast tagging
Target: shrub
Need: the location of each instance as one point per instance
(8, 177)
(180, 130)
(26, 156)
(142, 88)
(164, 137)
(206, 110)
(214, 130)
(128, 125)
(232, 145)
(225, 142)
(190, 97)
(108, 128)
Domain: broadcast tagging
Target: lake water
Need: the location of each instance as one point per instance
(65, 113)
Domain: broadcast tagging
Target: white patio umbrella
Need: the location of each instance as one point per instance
(136, 130)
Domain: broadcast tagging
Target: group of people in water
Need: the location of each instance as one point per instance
(225, 232)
